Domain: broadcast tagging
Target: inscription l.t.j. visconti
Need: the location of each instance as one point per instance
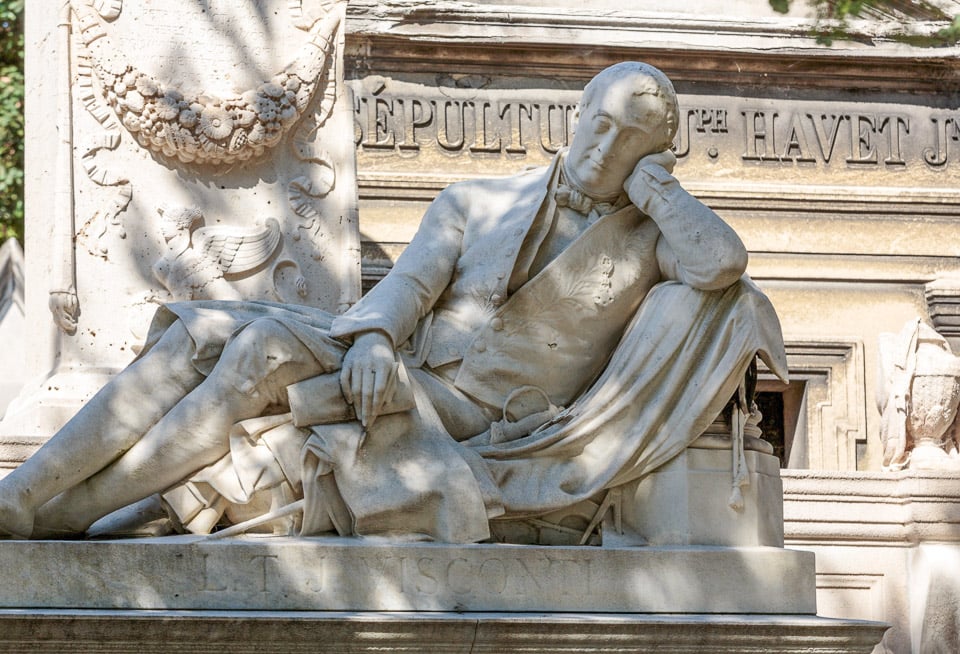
(407, 575)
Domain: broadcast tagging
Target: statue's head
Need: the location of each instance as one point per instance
(627, 111)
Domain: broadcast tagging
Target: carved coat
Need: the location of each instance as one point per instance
(447, 299)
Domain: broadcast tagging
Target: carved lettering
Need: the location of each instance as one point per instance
(444, 122)
(796, 147)
(681, 143)
(707, 121)
(572, 569)
(416, 115)
(518, 126)
(316, 576)
(427, 581)
(893, 126)
(211, 581)
(524, 579)
(713, 120)
(261, 561)
(379, 131)
(863, 150)
(488, 121)
(768, 135)
(759, 135)
(554, 126)
(459, 574)
(408, 125)
(944, 131)
(827, 135)
(493, 576)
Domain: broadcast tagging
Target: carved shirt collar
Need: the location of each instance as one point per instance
(569, 194)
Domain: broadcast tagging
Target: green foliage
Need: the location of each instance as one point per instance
(951, 34)
(11, 119)
(833, 18)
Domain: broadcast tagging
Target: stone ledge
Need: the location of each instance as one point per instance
(332, 574)
(896, 508)
(146, 632)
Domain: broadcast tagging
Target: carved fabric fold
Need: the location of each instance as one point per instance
(677, 365)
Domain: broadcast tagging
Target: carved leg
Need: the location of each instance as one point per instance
(110, 423)
(252, 374)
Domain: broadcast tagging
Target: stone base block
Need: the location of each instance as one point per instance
(687, 501)
(442, 633)
(335, 574)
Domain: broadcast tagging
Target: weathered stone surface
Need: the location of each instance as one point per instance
(348, 574)
(887, 548)
(687, 502)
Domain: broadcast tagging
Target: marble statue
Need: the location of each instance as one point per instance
(543, 338)
(918, 399)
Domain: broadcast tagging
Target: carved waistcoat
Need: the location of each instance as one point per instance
(556, 331)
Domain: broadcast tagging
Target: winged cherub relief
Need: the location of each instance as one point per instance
(196, 258)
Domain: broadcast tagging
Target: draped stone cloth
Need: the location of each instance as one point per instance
(679, 361)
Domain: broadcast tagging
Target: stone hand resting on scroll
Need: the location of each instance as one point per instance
(560, 332)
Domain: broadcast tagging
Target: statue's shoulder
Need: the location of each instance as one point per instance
(477, 193)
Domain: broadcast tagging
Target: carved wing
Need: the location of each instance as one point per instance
(237, 250)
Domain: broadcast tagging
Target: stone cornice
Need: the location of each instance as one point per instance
(575, 42)
(899, 509)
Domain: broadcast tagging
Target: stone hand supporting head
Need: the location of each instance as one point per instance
(628, 111)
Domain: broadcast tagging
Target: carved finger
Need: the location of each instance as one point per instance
(391, 389)
(356, 388)
(369, 379)
(345, 382)
(381, 381)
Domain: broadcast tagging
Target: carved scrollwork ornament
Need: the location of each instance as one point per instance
(200, 128)
(108, 9)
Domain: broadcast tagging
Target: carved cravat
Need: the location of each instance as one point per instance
(574, 198)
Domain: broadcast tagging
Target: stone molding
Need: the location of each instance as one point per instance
(575, 41)
(898, 509)
(835, 400)
(441, 633)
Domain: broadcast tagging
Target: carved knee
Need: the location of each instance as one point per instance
(252, 359)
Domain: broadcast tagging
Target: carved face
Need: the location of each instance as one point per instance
(617, 127)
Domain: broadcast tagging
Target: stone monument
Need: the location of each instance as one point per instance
(565, 357)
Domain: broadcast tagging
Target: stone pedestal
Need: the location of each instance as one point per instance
(338, 574)
(266, 594)
(687, 501)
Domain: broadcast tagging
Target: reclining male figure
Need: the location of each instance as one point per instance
(522, 282)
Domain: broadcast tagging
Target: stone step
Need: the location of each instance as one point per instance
(264, 632)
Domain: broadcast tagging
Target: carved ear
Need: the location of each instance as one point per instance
(575, 120)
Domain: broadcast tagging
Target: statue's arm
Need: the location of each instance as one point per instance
(388, 314)
(696, 246)
(409, 291)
